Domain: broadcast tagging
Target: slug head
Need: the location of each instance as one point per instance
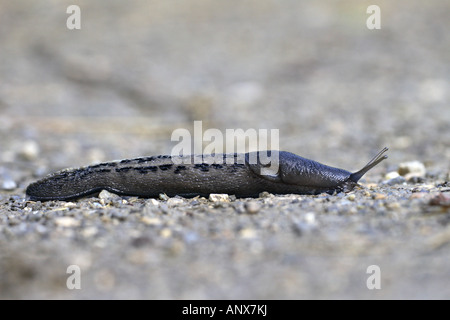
(311, 176)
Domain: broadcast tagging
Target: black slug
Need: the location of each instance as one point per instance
(186, 176)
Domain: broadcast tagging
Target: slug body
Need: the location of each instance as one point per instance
(239, 174)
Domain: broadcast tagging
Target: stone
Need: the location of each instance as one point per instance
(252, 207)
(216, 197)
(67, 222)
(30, 150)
(9, 185)
(411, 169)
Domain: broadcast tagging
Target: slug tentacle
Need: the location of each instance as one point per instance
(246, 175)
(372, 163)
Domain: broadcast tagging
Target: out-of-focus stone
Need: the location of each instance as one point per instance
(216, 197)
(29, 151)
(411, 169)
(252, 207)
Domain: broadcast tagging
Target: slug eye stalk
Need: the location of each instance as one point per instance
(372, 163)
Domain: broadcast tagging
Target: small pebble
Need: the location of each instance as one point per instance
(9, 185)
(310, 218)
(411, 169)
(215, 197)
(378, 196)
(394, 181)
(29, 150)
(393, 206)
(89, 231)
(252, 207)
(265, 194)
(248, 233)
(106, 195)
(67, 222)
(163, 197)
(174, 202)
(440, 199)
(153, 202)
(151, 221)
(391, 175)
(166, 233)
(70, 205)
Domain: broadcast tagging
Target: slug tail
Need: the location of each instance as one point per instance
(372, 163)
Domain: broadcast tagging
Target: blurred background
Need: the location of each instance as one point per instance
(337, 91)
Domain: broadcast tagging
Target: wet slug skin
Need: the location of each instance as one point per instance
(244, 175)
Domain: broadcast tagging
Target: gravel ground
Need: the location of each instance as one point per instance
(136, 71)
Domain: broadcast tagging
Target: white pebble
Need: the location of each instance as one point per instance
(174, 202)
(29, 150)
(247, 233)
(67, 222)
(106, 195)
(252, 207)
(215, 197)
(153, 202)
(391, 175)
(70, 205)
(163, 197)
(166, 233)
(9, 185)
(151, 221)
(411, 169)
(310, 218)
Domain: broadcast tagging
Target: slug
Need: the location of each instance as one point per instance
(151, 176)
